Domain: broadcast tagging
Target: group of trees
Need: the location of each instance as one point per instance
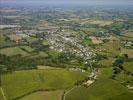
(16, 62)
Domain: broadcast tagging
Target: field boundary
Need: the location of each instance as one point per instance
(3, 93)
(64, 95)
(41, 90)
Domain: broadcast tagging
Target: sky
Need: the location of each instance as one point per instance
(93, 2)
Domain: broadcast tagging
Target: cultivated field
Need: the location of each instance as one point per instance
(45, 95)
(129, 33)
(128, 51)
(13, 51)
(24, 82)
(96, 40)
(102, 89)
(102, 22)
(128, 66)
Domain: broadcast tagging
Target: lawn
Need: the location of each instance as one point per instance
(45, 95)
(102, 89)
(22, 82)
(13, 51)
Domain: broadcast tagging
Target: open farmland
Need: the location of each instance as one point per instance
(27, 48)
(1, 96)
(113, 90)
(45, 95)
(129, 33)
(101, 22)
(13, 51)
(128, 51)
(34, 80)
(111, 49)
(77, 50)
(96, 40)
(4, 42)
(128, 66)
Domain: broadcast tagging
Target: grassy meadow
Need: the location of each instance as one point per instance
(24, 82)
(103, 89)
(45, 95)
(13, 51)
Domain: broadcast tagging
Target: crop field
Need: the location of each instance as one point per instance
(111, 48)
(97, 22)
(13, 51)
(113, 90)
(128, 51)
(124, 77)
(129, 33)
(39, 54)
(101, 22)
(34, 80)
(45, 95)
(27, 48)
(1, 96)
(31, 39)
(128, 66)
(66, 50)
(96, 40)
(3, 41)
(106, 62)
(14, 37)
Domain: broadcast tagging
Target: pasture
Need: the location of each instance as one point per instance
(127, 51)
(96, 40)
(45, 95)
(101, 22)
(13, 51)
(128, 66)
(4, 42)
(111, 49)
(31, 39)
(27, 48)
(128, 33)
(102, 89)
(25, 82)
(1, 96)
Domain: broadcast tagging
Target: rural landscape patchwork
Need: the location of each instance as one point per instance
(66, 50)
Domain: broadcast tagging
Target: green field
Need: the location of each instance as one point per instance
(13, 51)
(1, 96)
(49, 95)
(106, 62)
(103, 89)
(31, 39)
(111, 48)
(23, 82)
(128, 51)
(4, 42)
(128, 66)
(128, 33)
(27, 48)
